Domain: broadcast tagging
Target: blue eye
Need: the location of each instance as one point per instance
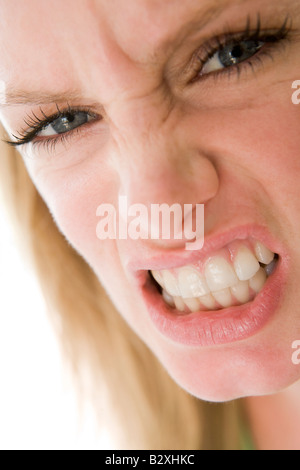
(65, 123)
(233, 51)
(52, 128)
(232, 54)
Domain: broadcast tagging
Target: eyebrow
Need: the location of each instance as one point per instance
(14, 97)
(23, 97)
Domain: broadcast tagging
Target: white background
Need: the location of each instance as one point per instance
(38, 408)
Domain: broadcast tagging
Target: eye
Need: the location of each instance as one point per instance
(65, 123)
(232, 54)
(54, 128)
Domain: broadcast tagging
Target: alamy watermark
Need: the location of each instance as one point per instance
(296, 94)
(296, 354)
(157, 222)
(296, 344)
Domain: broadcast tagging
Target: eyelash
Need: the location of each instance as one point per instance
(35, 124)
(211, 48)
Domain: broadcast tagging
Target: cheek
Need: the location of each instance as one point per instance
(270, 144)
(260, 144)
(73, 195)
(270, 140)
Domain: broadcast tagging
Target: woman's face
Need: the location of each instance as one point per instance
(177, 103)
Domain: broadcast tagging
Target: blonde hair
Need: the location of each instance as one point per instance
(153, 412)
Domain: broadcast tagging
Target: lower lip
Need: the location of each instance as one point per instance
(217, 327)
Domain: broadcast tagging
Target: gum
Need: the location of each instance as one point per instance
(229, 253)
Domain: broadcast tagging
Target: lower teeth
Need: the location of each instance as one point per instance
(221, 299)
(168, 298)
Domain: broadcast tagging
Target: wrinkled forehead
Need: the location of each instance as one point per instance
(59, 42)
(36, 35)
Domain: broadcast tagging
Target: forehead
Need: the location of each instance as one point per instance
(36, 35)
(37, 19)
(99, 47)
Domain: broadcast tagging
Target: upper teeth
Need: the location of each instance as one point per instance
(233, 274)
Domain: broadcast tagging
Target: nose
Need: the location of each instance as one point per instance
(157, 163)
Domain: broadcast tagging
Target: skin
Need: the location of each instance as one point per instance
(231, 143)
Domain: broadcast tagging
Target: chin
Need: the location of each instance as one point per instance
(259, 366)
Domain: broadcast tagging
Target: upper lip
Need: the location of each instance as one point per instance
(168, 259)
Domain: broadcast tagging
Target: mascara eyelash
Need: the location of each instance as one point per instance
(36, 124)
(207, 51)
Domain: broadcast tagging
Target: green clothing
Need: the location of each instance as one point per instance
(246, 439)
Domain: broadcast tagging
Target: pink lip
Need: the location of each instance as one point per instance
(222, 326)
(167, 259)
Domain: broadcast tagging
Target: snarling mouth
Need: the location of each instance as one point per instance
(233, 276)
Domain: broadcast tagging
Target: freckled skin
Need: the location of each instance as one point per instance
(231, 144)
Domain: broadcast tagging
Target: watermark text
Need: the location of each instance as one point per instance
(296, 354)
(156, 222)
(296, 94)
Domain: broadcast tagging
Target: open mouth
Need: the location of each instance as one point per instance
(226, 296)
(231, 277)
